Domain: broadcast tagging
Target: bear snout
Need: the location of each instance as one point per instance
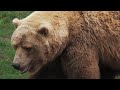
(16, 66)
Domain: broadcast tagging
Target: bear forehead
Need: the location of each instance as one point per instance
(32, 23)
(21, 35)
(39, 17)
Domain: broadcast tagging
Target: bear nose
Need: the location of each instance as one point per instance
(16, 66)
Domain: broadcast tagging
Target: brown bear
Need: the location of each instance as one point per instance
(68, 44)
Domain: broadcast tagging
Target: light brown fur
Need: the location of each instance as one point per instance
(84, 43)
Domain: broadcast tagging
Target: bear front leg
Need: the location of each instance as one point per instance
(81, 64)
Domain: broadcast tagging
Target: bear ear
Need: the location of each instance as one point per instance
(44, 31)
(16, 22)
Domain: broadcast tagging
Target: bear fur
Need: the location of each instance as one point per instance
(68, 44)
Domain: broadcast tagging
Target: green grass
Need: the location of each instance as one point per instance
(6, 50)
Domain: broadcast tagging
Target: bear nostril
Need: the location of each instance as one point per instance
(16, 66)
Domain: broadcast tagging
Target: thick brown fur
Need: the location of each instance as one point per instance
(91, 49)
(96, 45)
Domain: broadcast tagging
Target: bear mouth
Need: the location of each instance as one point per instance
(25, 69)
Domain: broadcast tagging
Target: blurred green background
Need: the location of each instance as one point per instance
(6, 50)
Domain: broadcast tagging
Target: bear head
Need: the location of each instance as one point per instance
(38, 39)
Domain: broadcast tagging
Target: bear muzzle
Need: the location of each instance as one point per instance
(22, 69)
(16, 66)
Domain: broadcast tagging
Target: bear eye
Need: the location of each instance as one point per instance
(28, 49)
(43, 31)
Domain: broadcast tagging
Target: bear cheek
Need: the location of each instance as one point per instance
(33, 68)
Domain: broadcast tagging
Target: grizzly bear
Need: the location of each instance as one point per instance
(68, 44)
